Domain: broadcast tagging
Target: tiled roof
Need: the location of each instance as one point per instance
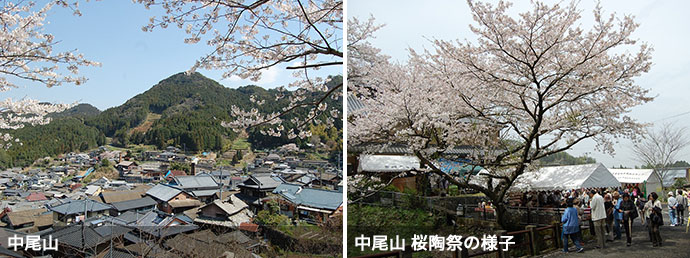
(36, 196)
(163, 192)
(316, 198)
(261, 182)
(78, 206)
(186, 182)
(89, 237)
(121, 196)
(251, 227)
(134, 204)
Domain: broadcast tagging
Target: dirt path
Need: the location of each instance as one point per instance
(676, 244)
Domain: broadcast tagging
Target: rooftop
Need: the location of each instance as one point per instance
(78, 207)
(316, 198)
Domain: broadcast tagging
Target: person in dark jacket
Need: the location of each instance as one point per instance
(571, 226)
(629, 211)
(608, 205)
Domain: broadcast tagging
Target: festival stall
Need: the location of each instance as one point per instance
(645, 179)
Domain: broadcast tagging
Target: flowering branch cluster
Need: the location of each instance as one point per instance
(26, 54)
(249, 37)
(528, 87)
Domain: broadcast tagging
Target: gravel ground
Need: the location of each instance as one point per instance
(676, 244)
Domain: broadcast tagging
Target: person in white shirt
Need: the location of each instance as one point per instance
(598, 217)
(672, 206)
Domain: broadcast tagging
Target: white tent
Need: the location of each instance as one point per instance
(567, 177)
(387, 163)
(645, 177)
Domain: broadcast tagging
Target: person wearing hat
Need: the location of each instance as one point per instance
(672, 206)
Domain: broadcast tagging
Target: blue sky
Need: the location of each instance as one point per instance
(663, 24)
(132, 60)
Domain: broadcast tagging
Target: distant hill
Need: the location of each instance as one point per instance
(80, 110)
(186, 110)
(183, 110)
(564, 158)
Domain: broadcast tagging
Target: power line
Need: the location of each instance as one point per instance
(677, 115)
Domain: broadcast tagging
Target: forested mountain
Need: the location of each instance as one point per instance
(183, 110)
(563, 158)
(80, 110)
(60, 136)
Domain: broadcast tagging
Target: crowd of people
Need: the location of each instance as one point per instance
(612, 211)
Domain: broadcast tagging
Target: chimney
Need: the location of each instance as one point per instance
(194, 168)
(119, 158)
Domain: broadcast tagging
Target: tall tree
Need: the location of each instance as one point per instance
(659, 148)
(530, 86)
(250, 37)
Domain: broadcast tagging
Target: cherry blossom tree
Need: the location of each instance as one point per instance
(27, 56)
(660, 148)
(529, 86)
(248, 37)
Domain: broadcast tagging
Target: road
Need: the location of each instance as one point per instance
(676, 244)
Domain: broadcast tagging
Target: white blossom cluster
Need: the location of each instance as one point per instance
(27, 51)
(248, 37)
(26, 54)
(531, 85)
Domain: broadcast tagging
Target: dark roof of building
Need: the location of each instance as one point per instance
(130, 217)
(115, 253)
(4, 252)
(188, 246)
(163, 192)
(134, 204)
(265, 182)
(91, 236)
(78, 206)
(157, 223)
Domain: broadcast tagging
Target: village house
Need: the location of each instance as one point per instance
(86, 241)
(257, 187)
(170, 176)
(171, 199)
(74, 210)
(27, 221)
(137, 205)
(160, 225)
(308, 204)
(228, 213)
(125, 166)
(201, 187)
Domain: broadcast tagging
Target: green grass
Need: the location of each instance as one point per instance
(65, 179)
(240, 144)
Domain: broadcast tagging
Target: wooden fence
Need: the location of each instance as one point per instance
(533, 240)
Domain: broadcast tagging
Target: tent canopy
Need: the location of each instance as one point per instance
(631, 176)
(567, 177)
(387, 163)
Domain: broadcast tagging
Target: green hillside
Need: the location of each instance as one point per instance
(182, 110)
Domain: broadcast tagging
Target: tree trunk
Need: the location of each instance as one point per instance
(504, 218)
